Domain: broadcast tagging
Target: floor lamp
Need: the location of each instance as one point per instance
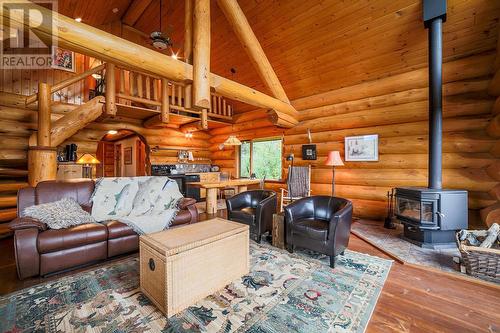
(333, 160)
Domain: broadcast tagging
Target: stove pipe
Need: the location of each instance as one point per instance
(434, 16)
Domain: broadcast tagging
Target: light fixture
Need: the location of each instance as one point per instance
(333, 160)
(188, 135)
(232, 141)
(174, 56)
(87, 160)
(97, 76)
(78, 19)
(112, 132)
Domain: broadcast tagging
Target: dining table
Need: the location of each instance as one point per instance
(212, 187)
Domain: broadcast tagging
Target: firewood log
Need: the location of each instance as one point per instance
(493, 233)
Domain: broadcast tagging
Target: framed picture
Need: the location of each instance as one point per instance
(361, 148)
(127, 155)
(63, 59)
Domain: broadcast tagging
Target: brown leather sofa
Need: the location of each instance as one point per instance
(41, 251)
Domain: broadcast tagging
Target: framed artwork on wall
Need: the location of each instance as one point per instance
(361, 148)
(127, 155)
(63, 59)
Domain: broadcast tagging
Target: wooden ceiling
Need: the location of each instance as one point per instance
(317, 46)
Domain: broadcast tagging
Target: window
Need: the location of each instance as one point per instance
(262, 157)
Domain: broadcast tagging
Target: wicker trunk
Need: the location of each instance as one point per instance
(181, 266)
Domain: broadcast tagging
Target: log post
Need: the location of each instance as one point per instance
(110, 90)
(42, 159)
(201, 54)
(188, 48)
(165, 104)
(44, 101)
(204, 119)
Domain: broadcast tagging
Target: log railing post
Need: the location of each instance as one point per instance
(42, 159)
(110, 90)
(204, 119)
(165, 104)
(201, 54)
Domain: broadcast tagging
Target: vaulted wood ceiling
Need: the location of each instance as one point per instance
(317, 46)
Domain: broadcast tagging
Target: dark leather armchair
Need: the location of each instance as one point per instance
(319, 223)
(255, 208)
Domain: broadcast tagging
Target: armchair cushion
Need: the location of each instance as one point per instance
(312, 228)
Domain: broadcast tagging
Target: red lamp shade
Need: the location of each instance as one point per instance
(334, 159)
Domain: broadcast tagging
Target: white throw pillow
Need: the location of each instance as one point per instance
(59, 214)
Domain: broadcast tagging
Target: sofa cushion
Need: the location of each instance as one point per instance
(56, 240)
(78, 190)
(117, 229)
(311, 228)
(59, 214)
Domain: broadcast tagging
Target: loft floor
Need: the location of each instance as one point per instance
(412, 300)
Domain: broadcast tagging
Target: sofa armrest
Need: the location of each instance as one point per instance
(27, 223)
(184, 203)
(26, 252)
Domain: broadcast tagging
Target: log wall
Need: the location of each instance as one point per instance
(395, 108)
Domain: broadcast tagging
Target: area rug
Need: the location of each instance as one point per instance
(282, 293)
(391, 241)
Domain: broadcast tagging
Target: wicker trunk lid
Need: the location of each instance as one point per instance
(181, 266)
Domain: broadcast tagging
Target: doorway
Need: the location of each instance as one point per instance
(123, 153)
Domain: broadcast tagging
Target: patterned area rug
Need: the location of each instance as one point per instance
(282, 293)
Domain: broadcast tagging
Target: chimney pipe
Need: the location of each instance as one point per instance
(434, 16)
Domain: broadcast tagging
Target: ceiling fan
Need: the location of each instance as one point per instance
(158, 39)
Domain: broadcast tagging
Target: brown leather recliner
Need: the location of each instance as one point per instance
(41, 251)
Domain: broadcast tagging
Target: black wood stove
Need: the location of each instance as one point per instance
(432, 215)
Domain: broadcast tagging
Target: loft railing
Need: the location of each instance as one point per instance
(128, 87)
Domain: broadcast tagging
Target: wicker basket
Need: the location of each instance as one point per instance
(480, 262)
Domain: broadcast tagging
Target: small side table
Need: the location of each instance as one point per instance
(278, 231)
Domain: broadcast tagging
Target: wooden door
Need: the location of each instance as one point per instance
(140, 165)
(106, 154)
(118, 161)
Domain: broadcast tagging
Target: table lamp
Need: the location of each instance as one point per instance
(87, 160)
(333, 160)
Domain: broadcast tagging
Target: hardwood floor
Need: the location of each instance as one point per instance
(412, 300)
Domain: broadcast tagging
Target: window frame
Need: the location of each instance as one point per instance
(251, 142)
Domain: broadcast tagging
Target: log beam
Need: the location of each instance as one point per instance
(201, 54)
(134, 11)
(191, 127)
(90, 41)
(73, 121)
(251, 45)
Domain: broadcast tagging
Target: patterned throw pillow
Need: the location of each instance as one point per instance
(59, 214)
